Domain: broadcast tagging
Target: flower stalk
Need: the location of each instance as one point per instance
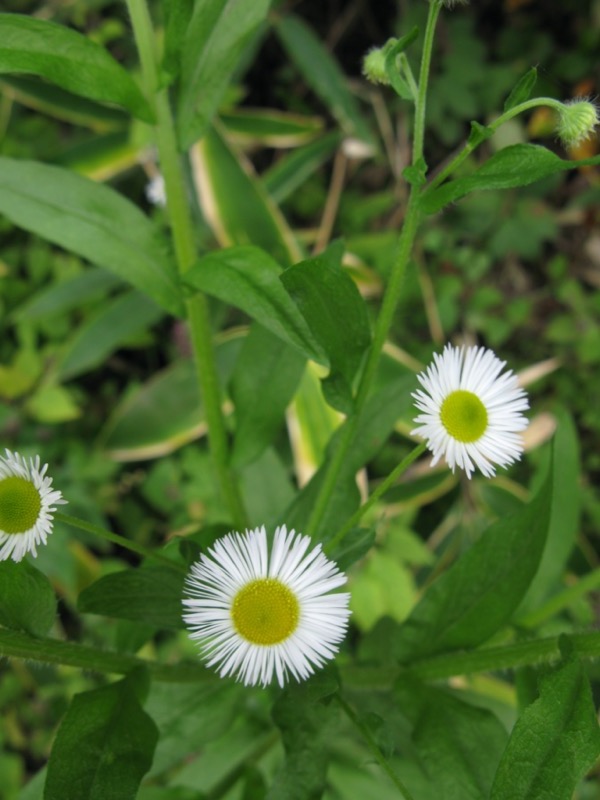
(393, 289)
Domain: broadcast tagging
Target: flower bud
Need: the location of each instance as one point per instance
(576, 122)
(374, 66)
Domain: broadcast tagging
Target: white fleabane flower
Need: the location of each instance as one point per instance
(260, 612)
(27, 501)
(471, 412)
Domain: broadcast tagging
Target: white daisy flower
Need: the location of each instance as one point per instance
(471, 413)
(258, 611)
(27, 501)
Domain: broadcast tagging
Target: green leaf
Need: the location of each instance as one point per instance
(522, 89)
(323, 74)
(564, 519)
(270, 128)
(49, 99)
(290, 172)
(102, 226)
(517, 165)
(191, 716)
(326, 295)
(159, 417)
(398, 83)
(306, 717)
(236, 204)
(249, 279)
(104, 746)
(106, 331)
(555, 741)
(217, 35)
(458, 745)
(356, 544)
(177, 20)
(148, 594)
(68, 59)
(265, 378)
(67, 295)
(163, 414)
(27, 600)
(482, 589)
(52, 404)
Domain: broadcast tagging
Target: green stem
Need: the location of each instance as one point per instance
(388, 308)
(185, 250)
(89, 527)
(466, 151)
(392, 292)
(490, 659)
(420, 106)
(375, 495)
(17, 644)
(373, 747)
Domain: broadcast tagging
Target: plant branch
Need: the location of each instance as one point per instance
(469, 147)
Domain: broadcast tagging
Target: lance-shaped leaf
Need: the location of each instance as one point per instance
(217, 35)
(165, 413)
(235, 203)
(564, 522)
(64, 105)
(522, 89)
(104, 745)
(265, 378)
(68, 59)
(104, 332)
(483, 588)
(517, 165)
(337, 316)
(149, 594)
(92, 220)
(323, 74)
(554, 742)
(248, 278)
(291, 171)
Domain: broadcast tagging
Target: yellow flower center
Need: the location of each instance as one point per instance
(464, 416)
(265, 611)
(20, 505)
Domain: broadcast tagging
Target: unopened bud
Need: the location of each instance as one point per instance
(374, 66)
(576, 122)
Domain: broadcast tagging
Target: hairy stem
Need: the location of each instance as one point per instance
(374, 496)
(185, 250)
(469, 147)
(392, 292)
